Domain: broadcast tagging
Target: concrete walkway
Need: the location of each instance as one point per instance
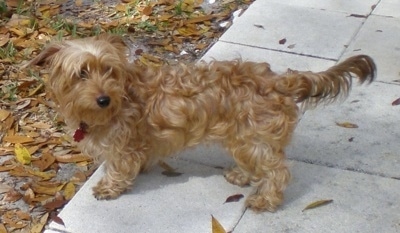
(359, 169)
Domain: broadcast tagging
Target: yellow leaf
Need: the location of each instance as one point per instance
(38, 227)
(44, 175)
(216, 226)
(38, 189)
(22, 154)
(318, 204)
(346, 125)
(69, 191)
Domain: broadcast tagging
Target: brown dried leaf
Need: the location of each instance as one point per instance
(78, 177)
(4, 188)
(318, 204)
(347, 125)
(55, 204)
(57, 219)
(282, 41)
(165, 166)
(4, 113)
(45, 161)
(234, 198)
(29, 196)
(72, 158)
(41, 125)
(5, 168)
(12, 196)
(147, 10)
(171, 173)
(17, 139)
(396, 102)
(3, 228)
(216, 226)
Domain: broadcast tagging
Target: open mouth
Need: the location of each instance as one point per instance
(80, 132)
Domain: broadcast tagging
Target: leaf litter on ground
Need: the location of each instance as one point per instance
(40, 167)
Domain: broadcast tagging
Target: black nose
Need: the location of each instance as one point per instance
(103, 101)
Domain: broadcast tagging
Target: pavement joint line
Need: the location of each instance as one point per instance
(282, 51)
(350, 169)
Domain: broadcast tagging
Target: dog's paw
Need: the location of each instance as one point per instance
(260, 203)
(237, 177)
(105, 192)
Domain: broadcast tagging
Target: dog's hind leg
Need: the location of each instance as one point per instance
(264, 168)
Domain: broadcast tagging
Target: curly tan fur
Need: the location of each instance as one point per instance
(155, 112)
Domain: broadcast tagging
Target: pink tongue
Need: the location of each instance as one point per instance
(79, 134)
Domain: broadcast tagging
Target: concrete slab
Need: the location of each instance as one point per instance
(279, 61)
(372, 148)
(307, 31)
(158, 203)
(379, 38)
(362, 7)
(388, 8)
(361, 203)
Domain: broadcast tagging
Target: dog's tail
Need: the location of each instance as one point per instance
(335, 83)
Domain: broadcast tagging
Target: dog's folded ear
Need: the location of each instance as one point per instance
(45, 56)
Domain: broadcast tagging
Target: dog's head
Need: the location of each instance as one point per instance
(87, 78)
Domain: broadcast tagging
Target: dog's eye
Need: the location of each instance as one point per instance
(83, 74)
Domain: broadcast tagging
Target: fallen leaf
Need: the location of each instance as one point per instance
(216, 226)
(22, 154)
(347, 125)
(282, 41)
(234, 198)
(358, 16)
(45, 161)
(43, 175)
(291, 46)
(12, 196)
(5, 168)
(55, 204)
(165, 166)
(147, 10)
(318, 204)
(39, 225)
(171, 173)
(259, 26)
(4, 188)
(396, 102)
(38, 189)
(3, 228)
(72, 158)
(78, 3)
(69, 191)
(4, 113)
(17, 139)
(57, 219)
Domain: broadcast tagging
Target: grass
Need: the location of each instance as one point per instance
(8, 52)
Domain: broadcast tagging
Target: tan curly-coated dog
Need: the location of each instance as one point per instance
(131, 116)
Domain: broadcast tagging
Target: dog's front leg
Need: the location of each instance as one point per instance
(120, 173)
